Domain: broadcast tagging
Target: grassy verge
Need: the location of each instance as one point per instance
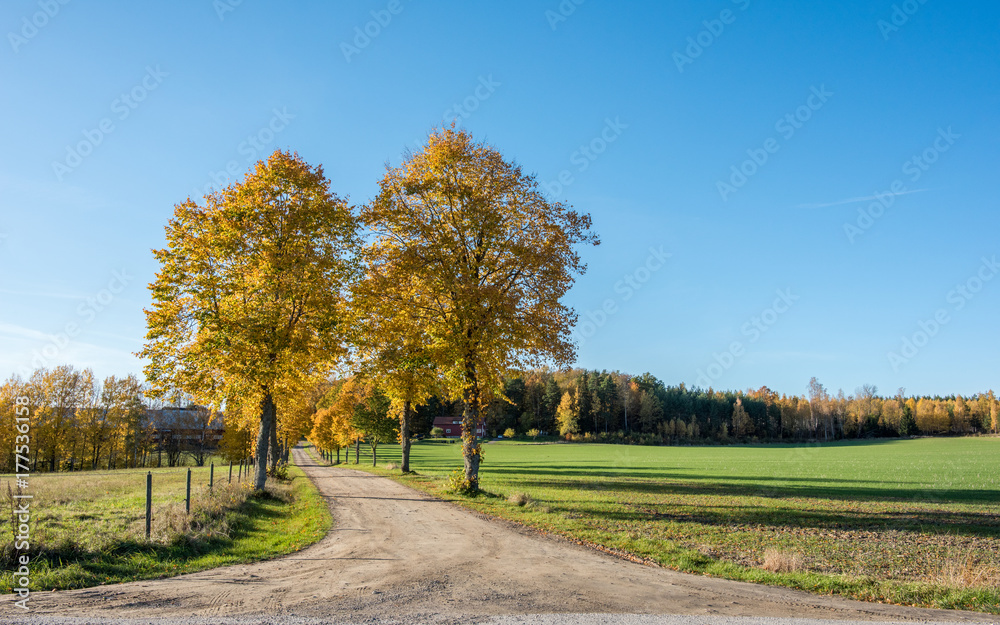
(90, 529)
(909, 523)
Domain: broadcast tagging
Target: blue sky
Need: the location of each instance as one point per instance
(724, 150)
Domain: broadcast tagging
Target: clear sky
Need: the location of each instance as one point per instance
(729, 153)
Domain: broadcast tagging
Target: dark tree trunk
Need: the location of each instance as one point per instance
(275, 454)
(267, 410)
(357, 450)
(471, 449)
(404, 436)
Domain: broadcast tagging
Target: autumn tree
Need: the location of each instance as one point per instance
(493, 258)
(742, 426)
(249, 298)
(994, 410)
(58, 394)
(336, 424)
(372, 419)
(392, 346)
(567, 417)
(236, 443)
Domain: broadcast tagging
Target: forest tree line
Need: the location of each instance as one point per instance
(614, 406)
(81, 423)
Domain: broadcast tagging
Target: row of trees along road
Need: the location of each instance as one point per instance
(450, 278)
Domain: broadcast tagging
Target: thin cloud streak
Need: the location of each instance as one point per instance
(72, 296)
(854, 200)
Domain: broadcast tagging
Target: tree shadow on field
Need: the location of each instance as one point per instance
(737, 517)
(673, 473)
(688, 484)
(663, 482)
(907, 507)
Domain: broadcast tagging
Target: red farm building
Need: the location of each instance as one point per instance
(452, 427)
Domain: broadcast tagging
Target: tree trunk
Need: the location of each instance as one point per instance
(357, 450)
(404, 436)
(267, 410)
(338, 455)
(471, 449)
(374, 448)
(275, 454)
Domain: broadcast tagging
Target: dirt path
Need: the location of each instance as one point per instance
(395, 552)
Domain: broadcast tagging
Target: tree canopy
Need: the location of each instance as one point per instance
(249, 299)
(490, 257)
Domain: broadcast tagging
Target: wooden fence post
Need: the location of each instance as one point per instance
(149, 502)
(187, 503)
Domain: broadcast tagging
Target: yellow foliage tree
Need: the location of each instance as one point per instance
(392, 347)
(248, 302)
(567, 417)
(491, 258)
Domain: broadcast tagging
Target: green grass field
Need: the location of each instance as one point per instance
(89, 527)
(912, 522)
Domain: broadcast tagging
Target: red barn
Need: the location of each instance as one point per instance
(452, 427)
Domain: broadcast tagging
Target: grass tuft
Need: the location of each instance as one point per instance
(778, 561)
(967, 571)
(519, 498)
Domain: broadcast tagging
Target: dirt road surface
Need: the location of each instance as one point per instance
(397, 555)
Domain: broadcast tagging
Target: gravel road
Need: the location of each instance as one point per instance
(396, 555)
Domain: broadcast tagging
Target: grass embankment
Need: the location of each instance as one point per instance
(912, 522)
(89, 528)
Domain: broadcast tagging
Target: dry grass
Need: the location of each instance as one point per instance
(519, 498)
(778, 561)
(966, 571)
(207, 518)
(392, 466)
(76, 517)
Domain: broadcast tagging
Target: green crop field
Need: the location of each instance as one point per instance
(905, 521)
